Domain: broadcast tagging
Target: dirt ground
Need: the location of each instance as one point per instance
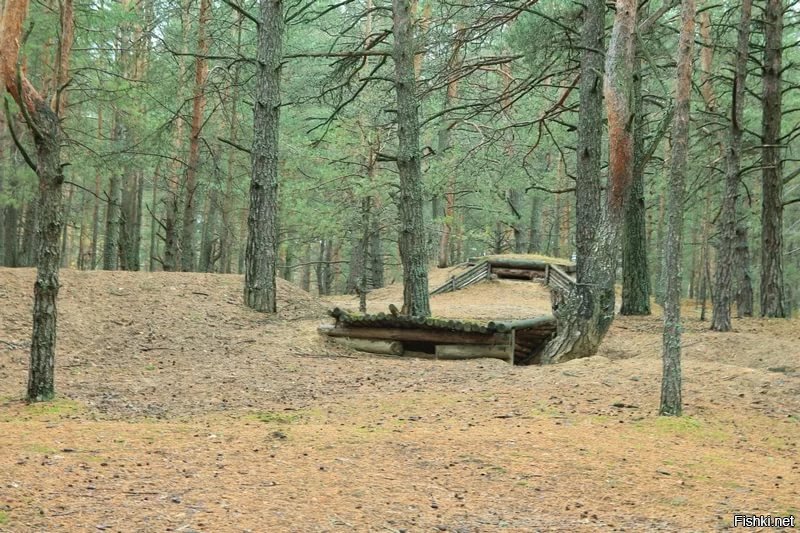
(180, 410)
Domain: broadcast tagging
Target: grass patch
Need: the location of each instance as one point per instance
(3, 518)
(677, 424)
(684, 426)
(542, 410)
(40, 448)
(272, 417)
(54, 407)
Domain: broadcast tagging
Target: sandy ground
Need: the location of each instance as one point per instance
(180, 410)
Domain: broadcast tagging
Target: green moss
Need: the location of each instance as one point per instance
(684, 426)
(3, 518)
(40, 448)
(677, 424)
(271, 417)
(54, 407)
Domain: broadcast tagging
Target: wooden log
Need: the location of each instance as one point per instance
(501, 350)
(528, 264)
(544, 321)
(422, 335)
(514, 273)
(371, 345)
(471, 351)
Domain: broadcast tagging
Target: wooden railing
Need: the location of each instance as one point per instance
(475, 274)
(556, 278)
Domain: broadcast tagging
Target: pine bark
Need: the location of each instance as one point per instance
(744, 279)
(590, 132)
(723, 277)
(635, 270)
(410, 200)
(262, 238)
(671, 401)
(772, 287)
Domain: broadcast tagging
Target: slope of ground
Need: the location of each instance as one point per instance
(180, 410)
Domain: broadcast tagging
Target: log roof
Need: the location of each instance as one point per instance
(384, 320)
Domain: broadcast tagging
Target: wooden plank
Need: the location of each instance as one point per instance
(422, 335)
(477, 273)
(560, 273)
(371, 345)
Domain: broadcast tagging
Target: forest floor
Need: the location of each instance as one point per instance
(180, 410)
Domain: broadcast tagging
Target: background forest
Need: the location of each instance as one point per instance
(158, 126)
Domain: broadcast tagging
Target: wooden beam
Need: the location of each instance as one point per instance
(421, 335)
(528, 264)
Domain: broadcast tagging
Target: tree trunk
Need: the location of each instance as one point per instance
(586, 311)
(188, 255)
(356, 261)
(305, 278)
(364, 281)
(113, 214)
(43, 121)
(744, 280)
(671, 403)
(10, 223)
(260, 257)
(154, 222)
(535, 229)
(412, 230)
(173, 179)
(635, 271)
(322, 267)
(130, 227)
(376, 253)
(329, 272)
(209, 253)
(453, 64)
(515, 203)
(772, 288)
(723, 278)
(65, 233)
(227, 234)
(590, 131)
(96, 200)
